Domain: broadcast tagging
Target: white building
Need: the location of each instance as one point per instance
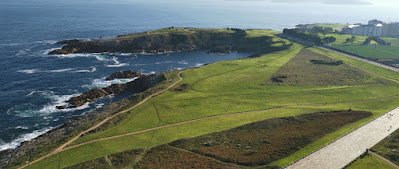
(373, 28)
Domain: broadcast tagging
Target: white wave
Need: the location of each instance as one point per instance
(10, 44)
(60, 70)
(152, 72)
(158, 63)
(21, 127)
(22, 52)
(183, 62)
(92, 69)
(22, 138)
(46, 42)
(117, 63)
(98, 56)
(101, 83)
(28, 71)
(199, 64)
(29, 110)
(123, 54)
(47, 51)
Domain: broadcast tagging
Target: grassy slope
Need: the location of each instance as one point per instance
(231, 87)
(369, 161)
(389, 148)
(372, 51)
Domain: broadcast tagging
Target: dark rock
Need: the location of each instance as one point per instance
(139, 85)
(61, 107)
(66, 42)
(124, 75)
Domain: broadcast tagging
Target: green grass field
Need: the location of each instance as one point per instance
(389, 148)
(369, 162)
(235, 86)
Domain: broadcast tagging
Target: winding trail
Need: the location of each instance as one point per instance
(61, 148)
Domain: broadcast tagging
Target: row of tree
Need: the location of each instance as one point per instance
(311, 37)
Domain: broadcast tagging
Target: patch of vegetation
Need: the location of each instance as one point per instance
(376, 39)
(369, 161)
(309, 68)
(312, 37)
(323, 62)
(389, 147)
(114, 161)
(166, 156)
(263, 142)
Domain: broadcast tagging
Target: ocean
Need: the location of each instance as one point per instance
(33, 83)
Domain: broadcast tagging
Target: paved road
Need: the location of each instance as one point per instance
(341, 152)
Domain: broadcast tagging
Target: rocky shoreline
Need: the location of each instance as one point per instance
(142, 83)
(61, 134)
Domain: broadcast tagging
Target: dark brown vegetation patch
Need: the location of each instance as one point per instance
(255, 144)
(166, 156)
(124, 159)
(181, 88)
(264, 142)
(312, 69)
(389, 147)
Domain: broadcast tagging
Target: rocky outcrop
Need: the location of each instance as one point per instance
(124, 75)
(139, 85)
(195, 39)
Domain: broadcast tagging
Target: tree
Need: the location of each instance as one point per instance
(330, 39)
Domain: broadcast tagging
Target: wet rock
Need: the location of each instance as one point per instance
(124, 75)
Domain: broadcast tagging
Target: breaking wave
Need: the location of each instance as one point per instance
(101, 83)
(22, 138)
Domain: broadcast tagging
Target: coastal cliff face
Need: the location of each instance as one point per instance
(170, 40)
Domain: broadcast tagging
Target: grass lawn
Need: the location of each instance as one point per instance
(369, 162)
(371, 51)
(235, 86)
(389, 148)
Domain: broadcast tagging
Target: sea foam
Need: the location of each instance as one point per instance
(22, 138)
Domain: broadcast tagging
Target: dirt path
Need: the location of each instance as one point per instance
(384, 159)
(61, 148)
(343, 151)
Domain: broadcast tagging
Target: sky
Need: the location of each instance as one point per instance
(343, 2)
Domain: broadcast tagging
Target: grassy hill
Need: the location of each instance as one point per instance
(229, 94)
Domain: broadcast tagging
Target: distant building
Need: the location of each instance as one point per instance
(390, 29)
(373, 28)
